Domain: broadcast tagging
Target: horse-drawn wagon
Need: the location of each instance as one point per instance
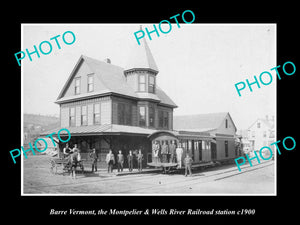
(64, 165)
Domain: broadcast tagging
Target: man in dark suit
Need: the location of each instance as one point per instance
(172, 149)
(164, 152)
(120, 161)
(140, 159)
(130, 161)
(94, 157)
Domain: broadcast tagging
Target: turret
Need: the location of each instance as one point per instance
(141, 69)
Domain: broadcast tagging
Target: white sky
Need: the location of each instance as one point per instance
(198, 64)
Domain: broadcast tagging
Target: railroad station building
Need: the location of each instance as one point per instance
(107, 107)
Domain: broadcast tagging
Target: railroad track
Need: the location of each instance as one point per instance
(198, 178)
(156, 181)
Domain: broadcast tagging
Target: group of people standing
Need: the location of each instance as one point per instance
(171, 153)
(74, 159)
(167, 153)
(110, 160)
(164, 153)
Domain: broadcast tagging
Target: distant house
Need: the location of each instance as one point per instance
(221, 132)
(261, 133)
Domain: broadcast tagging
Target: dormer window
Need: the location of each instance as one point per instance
(77, 86)
(90, 83)
(151, 86)
(142, 82)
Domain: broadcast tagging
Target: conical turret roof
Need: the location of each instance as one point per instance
(141, 57)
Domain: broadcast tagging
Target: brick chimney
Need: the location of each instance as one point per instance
(107, 60)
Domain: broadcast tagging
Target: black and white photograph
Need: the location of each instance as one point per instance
(143, 109)
(127, 113)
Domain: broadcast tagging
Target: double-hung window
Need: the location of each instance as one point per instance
(151, 86)
(84, 115)
(166, 119)
(97, 113)
(151, 116)
(77, 85)
(90, 83)
(142, 82)
(160, 119)
(142, 115)
(72, 117)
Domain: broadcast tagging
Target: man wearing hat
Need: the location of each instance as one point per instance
(94, 157)
(110, 160)
(172, 149)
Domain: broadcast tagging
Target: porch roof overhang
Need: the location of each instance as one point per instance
(183, 134)
(105, 129)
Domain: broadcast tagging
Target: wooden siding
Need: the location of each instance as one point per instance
(64, 117)
(105, 111)
(134, 115)
(78, 116)
(230, 128)
(133, 104)
(90, 114)
(221, 149)
(109, 111)
(206, 155)
(170, 112)
(132, 80)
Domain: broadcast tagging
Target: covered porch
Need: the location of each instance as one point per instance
(106, 137)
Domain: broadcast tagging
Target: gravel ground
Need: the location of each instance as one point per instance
(222, 180)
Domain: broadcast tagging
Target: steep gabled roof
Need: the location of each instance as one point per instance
(112, 79)
(268, 123)
(200, 122)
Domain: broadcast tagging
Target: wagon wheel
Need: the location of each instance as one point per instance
(167, 169)
(53, 167)
(66, 168)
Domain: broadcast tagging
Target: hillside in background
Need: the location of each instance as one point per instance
(38, 119)
(35, 124)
